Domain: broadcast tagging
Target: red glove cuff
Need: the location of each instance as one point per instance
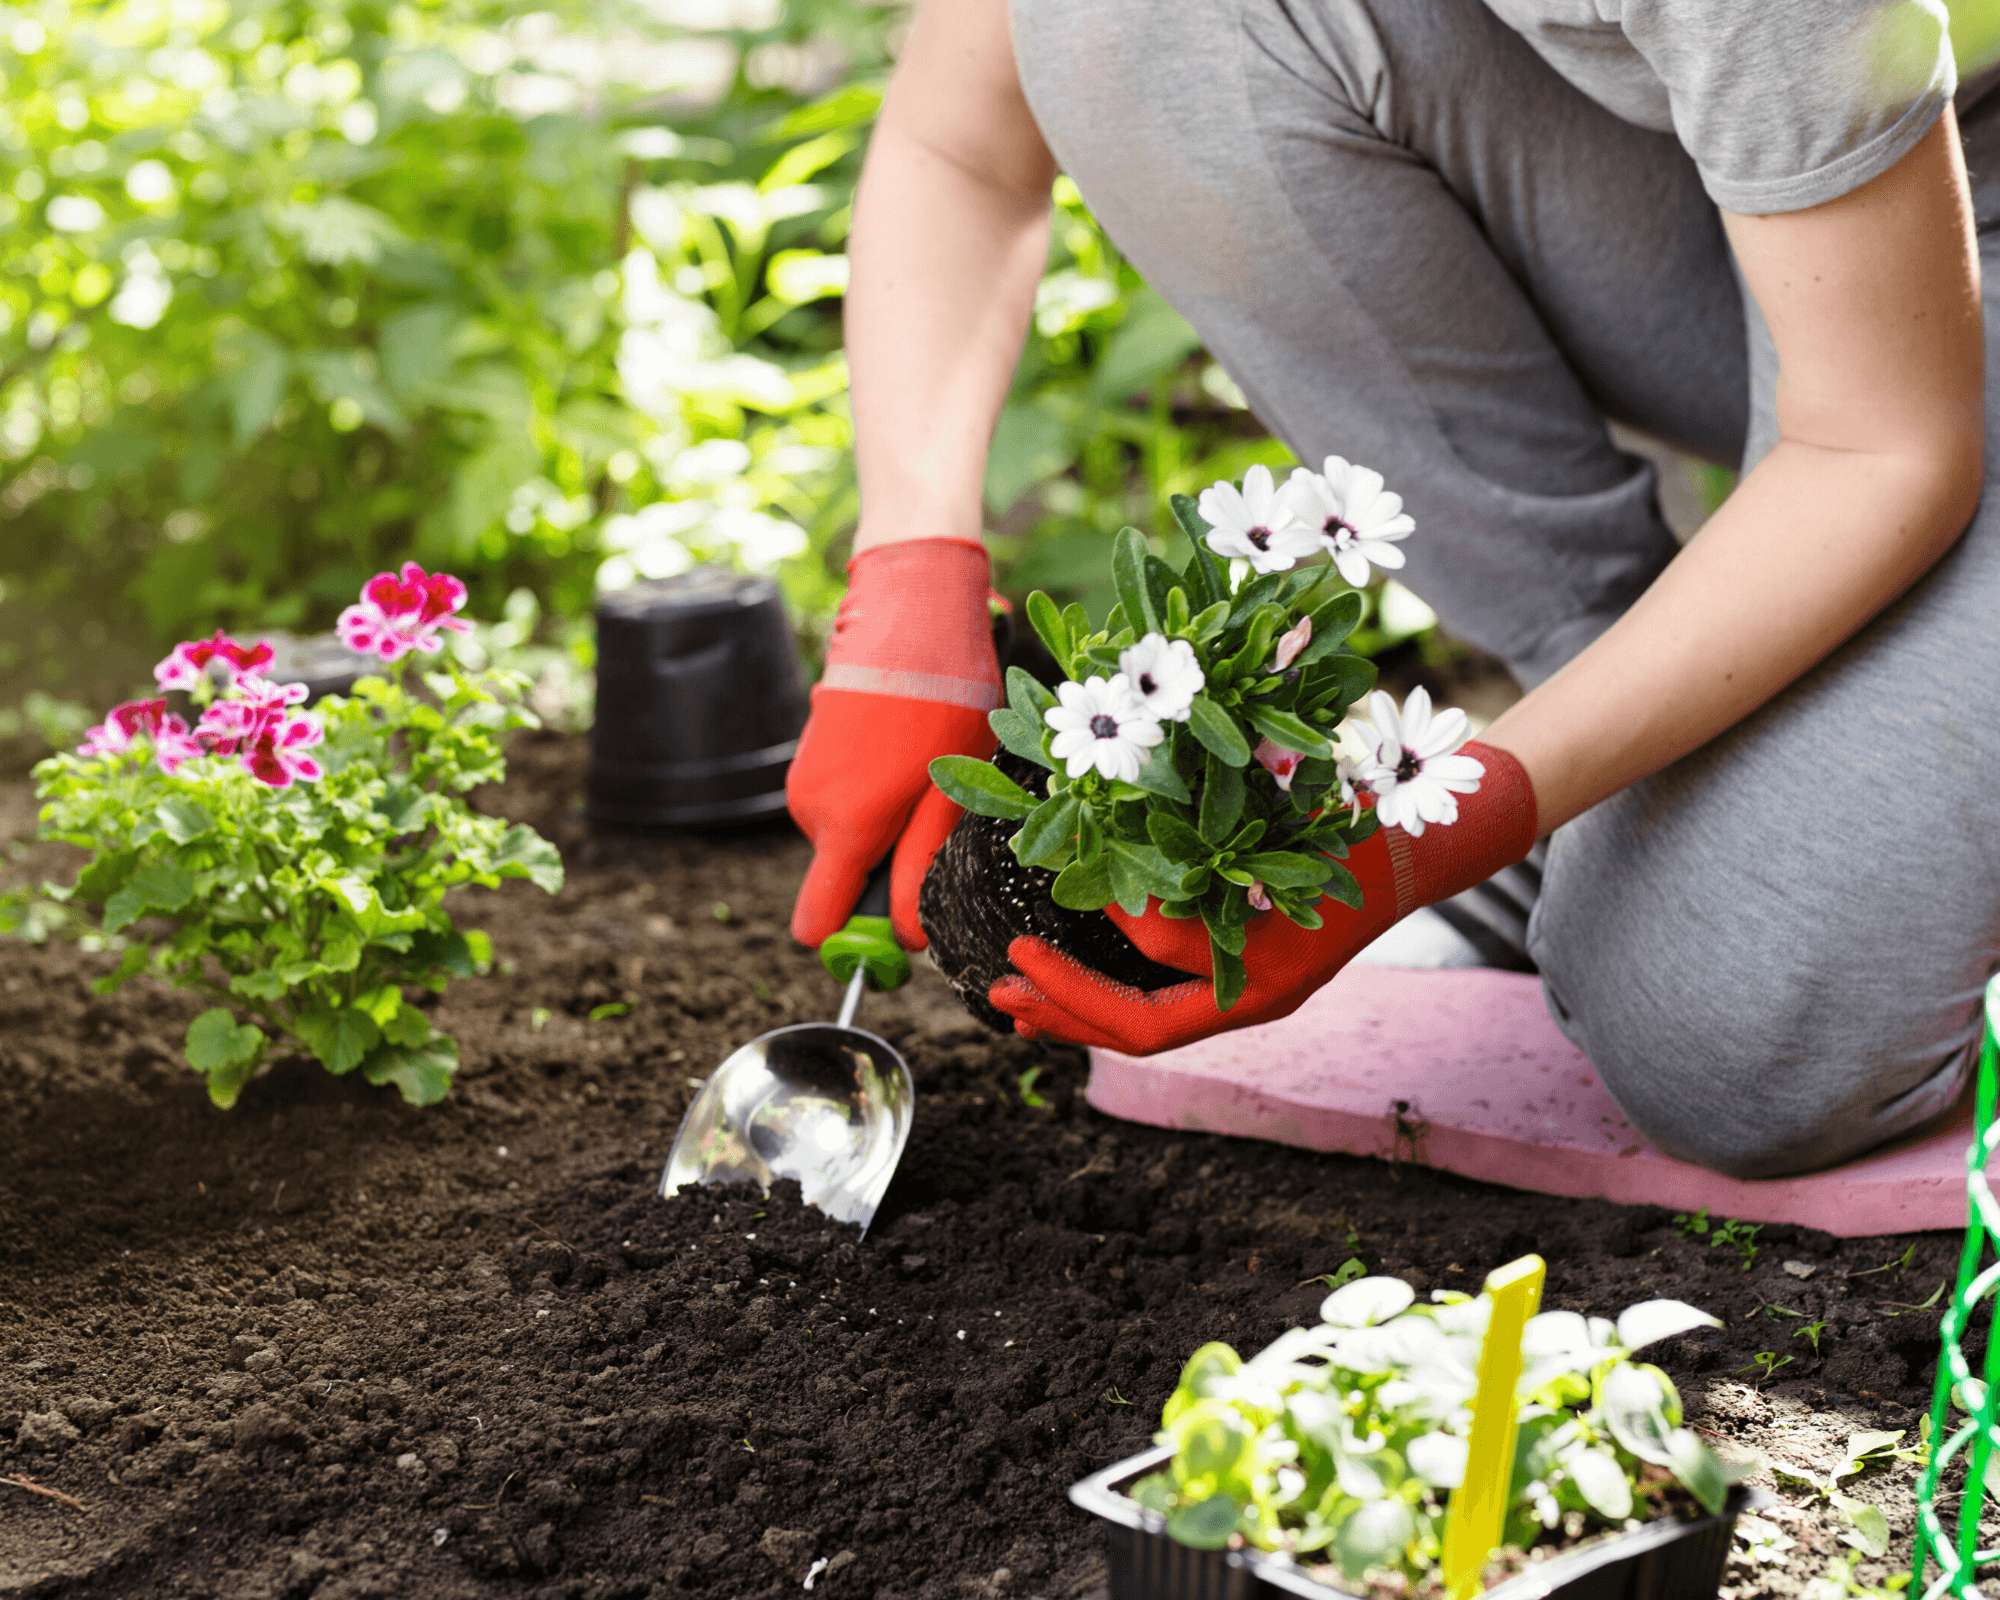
(915, 624)
(1496, 827)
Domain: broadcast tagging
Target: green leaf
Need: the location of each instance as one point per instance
(105, 876)
(1157, 774)
(1030, 699)
(1206, 1525)
(421, 1073)
(1176, 840)
(183, 820)
(1209, 622)
(1089, 834)
(1084, 886)
(1019, 736)
(1221, 799)
(1128, 573)
(1284, 869)
(981, 787)
(163, 887)
(1153, 339)
(1225, 932)
(1601, 1482)
(380, 1003)
(339, 1038)
(1287, 731)
(1332, 623)
(256, 388)
(1031, 444)
(1203, 576)
(1375, 1534)
(1145, 868)
(224, 1053)
(1342, 885)
(524, 853)
(1217, 731)
(266, 983)
(1048, 832)
(1699, 1470)
(1050, 626)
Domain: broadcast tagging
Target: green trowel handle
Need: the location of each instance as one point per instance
(868, 941)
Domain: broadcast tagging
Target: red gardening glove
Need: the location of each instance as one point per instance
(910, 675)
(1285, 963)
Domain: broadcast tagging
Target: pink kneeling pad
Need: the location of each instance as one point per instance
(1464, 1069)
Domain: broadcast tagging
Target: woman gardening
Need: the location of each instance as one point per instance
(1451, 239)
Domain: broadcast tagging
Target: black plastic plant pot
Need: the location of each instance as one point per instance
(1664, 1560)
(700, 699)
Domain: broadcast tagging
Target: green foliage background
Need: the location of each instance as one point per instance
(443, 286)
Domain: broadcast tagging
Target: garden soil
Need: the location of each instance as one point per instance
(330, 1345)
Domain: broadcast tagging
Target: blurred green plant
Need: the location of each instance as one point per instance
(292, 291)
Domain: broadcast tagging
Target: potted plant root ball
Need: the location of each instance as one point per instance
(1334, 1461)
(1188, 756)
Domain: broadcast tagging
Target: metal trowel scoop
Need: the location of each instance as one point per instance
(823, 1102)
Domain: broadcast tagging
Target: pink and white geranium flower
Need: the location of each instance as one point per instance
(190, 661)
(1413, 765)
(403, 611)
(134, 720)
(278, 757)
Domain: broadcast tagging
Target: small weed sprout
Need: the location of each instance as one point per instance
(1029, 1097)
(1811, 1332)
(1692, 1223)
(1345, 1273)
(1765, 1363)
(1740, 1237)
(1113, 1398)
(1867, 1528)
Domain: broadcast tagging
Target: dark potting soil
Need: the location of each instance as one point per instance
(328, 1345)
(977, 899)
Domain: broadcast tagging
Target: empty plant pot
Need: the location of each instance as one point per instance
(700, 699)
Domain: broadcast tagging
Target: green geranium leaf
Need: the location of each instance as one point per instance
(184, 820)
(1049, 832)
(105, 876)
(421, 1074)
(266, 983)
(524, 853)
(163, 887)
(1601, 1481)
(1217, 731)
(224, 1053)
(340, 1038)
(1375, 1535)
(981, 787)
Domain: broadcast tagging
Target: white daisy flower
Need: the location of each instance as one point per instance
(1101, 724)
(1347, 505)
(1256, 523)
(1164, 676)
(1413, 764)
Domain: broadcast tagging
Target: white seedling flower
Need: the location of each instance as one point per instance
(1164, 676)
(1256, 523)
(1414, 766)
(1347, 506)
(1101, 724)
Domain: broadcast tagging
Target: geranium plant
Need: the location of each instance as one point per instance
(1192, 754)
(1341, 1445)
(293, 864)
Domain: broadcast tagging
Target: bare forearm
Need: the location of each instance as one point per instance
(1873, 301)
(945, 260)
(1811, 546)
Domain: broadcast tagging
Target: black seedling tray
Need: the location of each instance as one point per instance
(1664, 1560)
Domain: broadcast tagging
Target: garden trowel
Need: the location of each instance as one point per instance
(823, 1102)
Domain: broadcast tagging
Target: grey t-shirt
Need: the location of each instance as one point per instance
(1782, 103)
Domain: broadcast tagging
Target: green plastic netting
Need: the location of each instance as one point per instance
(1956, 1553)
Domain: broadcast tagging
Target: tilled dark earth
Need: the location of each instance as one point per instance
(327, 1345)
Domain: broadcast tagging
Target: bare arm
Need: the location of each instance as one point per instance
(1873, 301)
(950, 233)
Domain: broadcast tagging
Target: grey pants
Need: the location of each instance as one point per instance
(1414, 245)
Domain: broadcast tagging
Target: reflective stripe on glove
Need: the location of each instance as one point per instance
(910, 675)
(1397, 872)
